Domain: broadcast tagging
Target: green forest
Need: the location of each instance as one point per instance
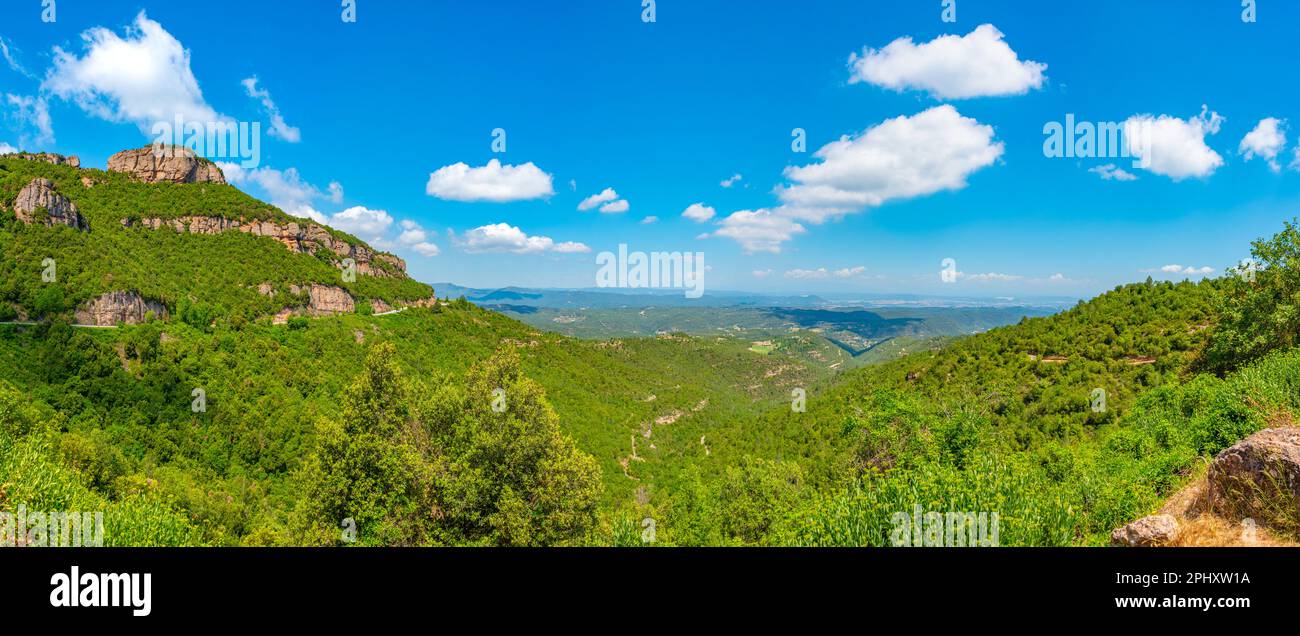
(456, 425)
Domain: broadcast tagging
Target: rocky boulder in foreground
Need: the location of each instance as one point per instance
(1258, 477)
(1147, 532)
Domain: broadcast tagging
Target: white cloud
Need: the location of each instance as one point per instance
(6, 148)
(1174, 147)
(900, 158)
(494, 182)
(141, 78)
(279, 128)
(615, 207)
(426, 249)
(571, 247)
(415, 238)
(978, 64)
(850, 272)
(34, 112)
(412, 236)
(758, 230)
(285, 189)
(11, 58)
(728, 182)
(1265, 141)
(699, 212)
(807, 274)
(336, 192)
(501, 237)
(762, 273)
(362, 222)
(989, 277)
(604, 196)
(1179, 269)
(649, 220)
(1112, 172)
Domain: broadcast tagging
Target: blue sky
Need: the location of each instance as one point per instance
(592, 97)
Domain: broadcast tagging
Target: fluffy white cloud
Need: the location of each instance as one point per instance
(279, 128)
(650, 220)
(808, 274)
(501, 237)
(285, 189)
(493, 182)
(362, 222)
(336, 192)
(1265, 141)
(901, 158)
(978, 64)
(571, 247)
(615, 207)
(141, 78)
(1174, 147)
(732, 180)
(608, 195)
(1179, 269)
(6, 148)
(1112, 172)
(850, 272)
(415, 238)
(758, 230)
(699, 212)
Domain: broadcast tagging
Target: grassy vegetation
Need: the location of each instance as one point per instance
(213, 277)
(391, 421)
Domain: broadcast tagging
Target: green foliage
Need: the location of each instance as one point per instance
(1260, 306)
(201, 279)
(363, 470)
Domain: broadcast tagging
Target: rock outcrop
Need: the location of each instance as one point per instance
(302, 238)
(1257, 476)
(328, 300)
(119, 307)
(58, 210)
(171, 164)
(47, 157)
(1147, 532)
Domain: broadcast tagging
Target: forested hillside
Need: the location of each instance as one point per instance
(448, 424)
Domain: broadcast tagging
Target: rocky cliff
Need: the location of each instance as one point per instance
(302, 238)
(40, 195)
(173, 164)
(125, 307)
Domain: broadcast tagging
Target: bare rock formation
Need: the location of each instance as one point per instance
(40, 195)
(326, 300)
(172, 164)
(1152, 531)
(1258, 477)
(124, 307)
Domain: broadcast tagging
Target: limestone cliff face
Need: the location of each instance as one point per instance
(126, 307)
(40, 194)
(302, 238)
(173, 165)
(327, 300)
(47, 157)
